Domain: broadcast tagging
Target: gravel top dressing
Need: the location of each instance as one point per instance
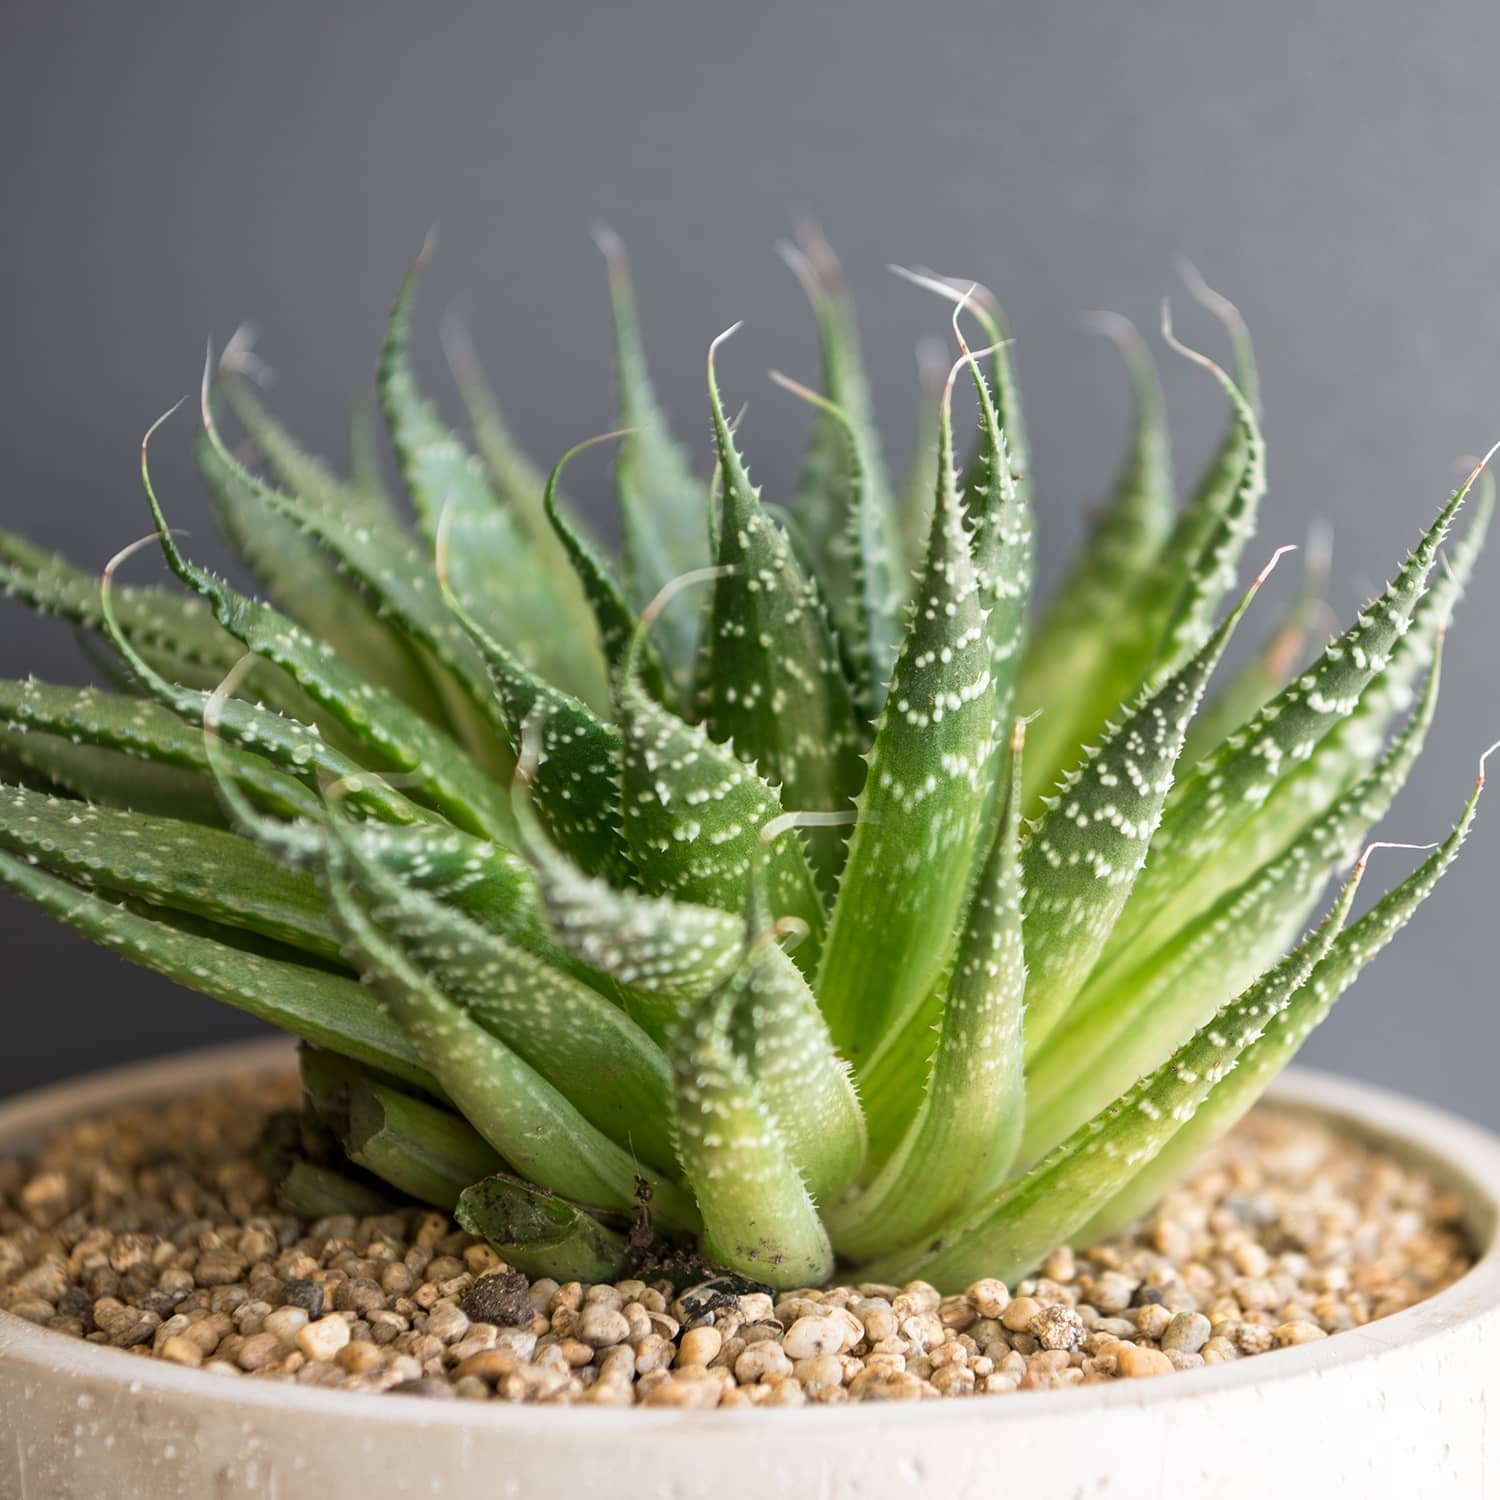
(153, 1231)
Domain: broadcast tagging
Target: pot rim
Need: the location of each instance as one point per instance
(1461, 1155)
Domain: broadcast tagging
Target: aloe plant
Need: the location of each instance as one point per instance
(779, 891)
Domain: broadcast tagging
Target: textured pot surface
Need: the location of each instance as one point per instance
(1396, 1408)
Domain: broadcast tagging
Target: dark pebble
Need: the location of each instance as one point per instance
(163, 1304)
(76, 1303)
(1152, 1295)
(306, 1294)
(501, 1297)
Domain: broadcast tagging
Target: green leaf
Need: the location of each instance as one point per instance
(777, 1029)
(296, 571)
(692, 813)
(298, 471)
(1228, 793)
(663, 505)
(587, 1049)
(1047, 1205)
(325, 1009)
(842, 503)
(1087, 849)
(396, 578)
(1196, 567)
(914, 502)
(576, 782)
(521, 1115)
(422, 1150)
(520, 485)
(1284, 1034)
(50, 763)
(1076, 641)
(296, 747)
(965, 1132)
(758, 1216)
(1002, 546)
(99, 744)
(492, 567)
(613, 617)
(1271, 668)
(171, 630)
(922, 806)
(665, 953)
(1119, 1029)
(540, 1233)
(776, 689)
(431, 764)
(868, 619)
(167, 862)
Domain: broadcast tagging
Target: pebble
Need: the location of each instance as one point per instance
(811, 1336)
(1187, 1332)
(323, 1339)
(1136, 1361)
(1286, 1234)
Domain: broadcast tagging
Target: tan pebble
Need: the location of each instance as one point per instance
(1187, 1332)
(1060, 1264)
(181, 1351)
(262, 1349)
(653, 1353)
(1171, 1240)
(1296, 1332)
(1019, 1313)
(1152, 1320)
(601, 1325)
(812, 1336)
(699, 1346)
(820, 1369)
(756, 1307)
(1184, 1359)
(878, 1319)
(760, 1360)
(692, 1387)
(324, 1338)
(954, 1380)
(448, 1322)
(1057, 1328)
(285, 1323)
(360, 1358)
(1251, 1259)
(489, 1364)
(471, 1388)
(1219, 1351)
(1253, 1338)
(1135, 1362)
(877, 1385)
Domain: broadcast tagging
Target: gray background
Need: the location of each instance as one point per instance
(173, 168)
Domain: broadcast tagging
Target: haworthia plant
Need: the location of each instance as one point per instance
(702, 900)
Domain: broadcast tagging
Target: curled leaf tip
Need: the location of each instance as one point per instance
(728, 333)
(1369, 849)
(1117, 328)
(1205, 296)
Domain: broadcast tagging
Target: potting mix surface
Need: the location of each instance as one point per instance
(153, 1231)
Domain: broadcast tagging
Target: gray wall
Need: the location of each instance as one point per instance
(171, 169)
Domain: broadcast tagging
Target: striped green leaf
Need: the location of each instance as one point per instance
(964, 1135)
(776, 688)
(492, 567)
(921, 808)
(1284, 1033)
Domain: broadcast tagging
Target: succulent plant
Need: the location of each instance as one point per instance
(779, 894)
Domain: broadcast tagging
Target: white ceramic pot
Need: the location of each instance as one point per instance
(1408, 1406)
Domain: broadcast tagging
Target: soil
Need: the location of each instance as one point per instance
(155, 1232)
